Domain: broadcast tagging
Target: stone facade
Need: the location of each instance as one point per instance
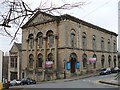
(65, 41)
(14, 65)
(5, 67)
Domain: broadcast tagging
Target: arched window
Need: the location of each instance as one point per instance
(102, 61)
(84, 59)
(94, 42)
(73, 56)
(31, 60)
(84, 41)
(50, 57)
(94, 64)
(50, 38)
(114, 61)
(31, 40)
(72, 36)
(102, 44)
(109, 45)
(114, 46)
(109, 60)
(40, 60)
(40, 39)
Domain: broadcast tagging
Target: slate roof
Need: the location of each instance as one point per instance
(19, 46)
(68, 17)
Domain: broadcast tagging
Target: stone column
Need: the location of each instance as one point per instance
(44, 57)
(27, 51)
(56, 55)
(35, 60)
(18, 67)
(56, 51)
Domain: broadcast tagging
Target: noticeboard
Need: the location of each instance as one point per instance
(68, 66)
(78, 65)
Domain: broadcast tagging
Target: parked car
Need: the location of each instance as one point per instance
(15, 82)
(115, 70)
(27, 81)
(105, 71)
(31, 81)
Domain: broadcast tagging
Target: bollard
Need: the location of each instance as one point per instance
(1, 85)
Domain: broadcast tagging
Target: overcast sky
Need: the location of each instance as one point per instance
(103, 13)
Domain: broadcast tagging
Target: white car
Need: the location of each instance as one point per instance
(15, 82)
(105, 71)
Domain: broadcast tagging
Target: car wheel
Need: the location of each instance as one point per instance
(28, 83)
(22, 83)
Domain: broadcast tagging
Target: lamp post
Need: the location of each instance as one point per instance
(64, 68)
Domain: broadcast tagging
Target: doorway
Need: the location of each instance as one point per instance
(73, 60)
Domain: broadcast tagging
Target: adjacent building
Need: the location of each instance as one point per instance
(64, 46)
(5, 67)
(14, 66)
(119, 32)
(1, 64)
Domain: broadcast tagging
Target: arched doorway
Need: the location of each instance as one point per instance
(73, 60)
(40, 60)
(102, 61)
(84, 59)
(114, 61)
(94, 64)
(109, 60)
(31, 60)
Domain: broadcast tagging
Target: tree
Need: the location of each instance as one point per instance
(18, 12)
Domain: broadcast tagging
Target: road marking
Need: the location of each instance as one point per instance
(97, 82)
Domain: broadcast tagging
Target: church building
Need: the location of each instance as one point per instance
(65, 46)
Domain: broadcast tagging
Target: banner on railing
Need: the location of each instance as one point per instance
(49, 63)
(92, 60)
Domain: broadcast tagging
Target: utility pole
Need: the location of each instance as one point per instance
(119, 34)
(118, 75)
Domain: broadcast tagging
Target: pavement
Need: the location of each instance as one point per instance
(71, 78)
(112, 81)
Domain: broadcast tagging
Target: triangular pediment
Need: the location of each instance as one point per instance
(39, 17)
(15, 47)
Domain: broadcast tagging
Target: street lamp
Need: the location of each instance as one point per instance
(64, 68)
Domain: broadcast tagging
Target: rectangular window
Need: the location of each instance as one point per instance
(72, 40)
(114, 47)
(109, 47)
(12, 62)
(94, 44)
(102, 45)
(16, 62)
(41, 41)
(84, 43)
(50, 40)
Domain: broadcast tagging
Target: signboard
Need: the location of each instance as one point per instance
(68, 66)
(78, 65)
(49, 64)
(92, 60)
